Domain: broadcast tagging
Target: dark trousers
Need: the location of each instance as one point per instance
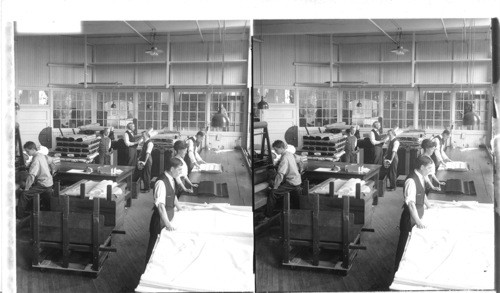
(151, 244)
(104, 159)
(405, 228)
(351, 157)
(392, 172)
(278, 193)
(26, 197)
(132, 156)
(378, 155)
(144, 174)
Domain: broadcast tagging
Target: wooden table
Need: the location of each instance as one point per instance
(234, 172)
(481, 172)
(126, 175)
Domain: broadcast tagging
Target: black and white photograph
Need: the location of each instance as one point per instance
(373, 164)
(131, 168)
(249, 146)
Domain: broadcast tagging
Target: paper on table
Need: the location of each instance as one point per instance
(76, 171)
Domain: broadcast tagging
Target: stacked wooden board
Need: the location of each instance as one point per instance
(324, 144)
(77, 148)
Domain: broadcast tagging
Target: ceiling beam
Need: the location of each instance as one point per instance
(199, 30)
(444, 27)
(377, 26)
(138, 33)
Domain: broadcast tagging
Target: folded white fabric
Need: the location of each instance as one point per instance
(349, 188)
(74, 190)
(100, 189)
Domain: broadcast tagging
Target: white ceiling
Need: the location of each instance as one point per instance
(346, 27)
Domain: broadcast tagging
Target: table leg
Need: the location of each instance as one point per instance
(133, 191)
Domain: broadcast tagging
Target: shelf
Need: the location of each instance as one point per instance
(73, 65)
(453, 61)
(314, 64)
(209, 61)
(129, 63)
(374, 62)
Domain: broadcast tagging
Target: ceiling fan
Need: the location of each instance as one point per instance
(153, 51)
(399, 50)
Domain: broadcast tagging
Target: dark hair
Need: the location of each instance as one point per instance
(422, 161)
(279, 144)
(180, 145)
(348, 131)
(446, 132)
(200, 133)
(427, 144)
(30, 146)
(173, 163)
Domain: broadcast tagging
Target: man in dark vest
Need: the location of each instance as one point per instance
(414, 201)
(143, 167)
(391, 160)
(193, 157)
(165, 203)
(439, 156)
(131, 143)
(377, 142)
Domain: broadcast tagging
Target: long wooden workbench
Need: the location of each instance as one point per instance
(234, 173)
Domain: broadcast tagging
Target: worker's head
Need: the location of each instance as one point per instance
(145, 135)
(391, 133)
(423, 164)
(428, 145)
(180, 148)
(376, 125)
(446, 134)
(131, 126)
(30, 148)
(279, 147)
(105, 132)
(199, 136)
(174, 167)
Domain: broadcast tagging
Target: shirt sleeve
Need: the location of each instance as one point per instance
(437, 151)
(197, 156)
(159, 193)
(149, 148)
(281, 172)
(395, 146)
(191, 151)
(410, 191)
(32, 172)
(126, 139)
(372, 138)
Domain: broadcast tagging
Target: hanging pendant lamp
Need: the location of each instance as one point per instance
(220, 119)
(470, 118)
(359, 105)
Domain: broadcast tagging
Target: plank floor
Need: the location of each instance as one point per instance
(372, 269)
(123, 269)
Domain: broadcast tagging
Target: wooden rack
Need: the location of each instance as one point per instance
(330, 225)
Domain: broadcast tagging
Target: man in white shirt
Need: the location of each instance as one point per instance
(165, 203)
(131, 143)
(377, 142)
(439, 157)
(193, 157)
(391, 160)
(414, 201)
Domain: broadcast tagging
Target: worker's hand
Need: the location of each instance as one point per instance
(436, 188)
(190, 190)
(194, 185)
(448, 161)
(442, 183)
(169, 227)
(201, 162)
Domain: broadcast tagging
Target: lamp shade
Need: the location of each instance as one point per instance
(113, 106)
(262, 105)
(470, 118)
(359, 104)
(219, 120)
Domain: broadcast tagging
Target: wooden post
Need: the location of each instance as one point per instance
(36, 229)
(65, 231)
(315, 229)
(95, 235)
(358, 190)
(345, 232)
(109, 192)
(331, 191)
(57, 188)
(82, 190)
(286, 228)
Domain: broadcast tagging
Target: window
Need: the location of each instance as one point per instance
(398, 109)
(434, 110)
(115, 108)
(234, 104)
(360, 107)
(278, 96)
(189, 111)
(33, 97)
(153, 110)
(475, 100)
(317, 107)
(72, 108)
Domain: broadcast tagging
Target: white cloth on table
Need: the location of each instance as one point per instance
(100, 189)
(211, 250)
(454, 252)
(349, 188)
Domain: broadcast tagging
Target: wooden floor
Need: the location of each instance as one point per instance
(123, 269)
(372, 269)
